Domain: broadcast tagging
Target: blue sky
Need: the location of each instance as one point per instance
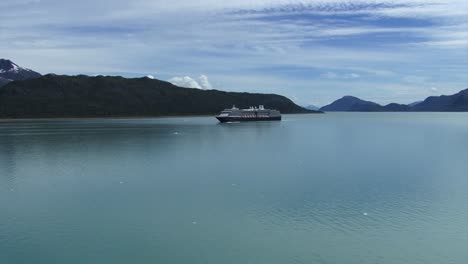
(310, 51)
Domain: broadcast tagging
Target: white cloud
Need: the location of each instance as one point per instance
(351, 76)
(189, 82)
(186, 82)
(204, 82)
(333, 75)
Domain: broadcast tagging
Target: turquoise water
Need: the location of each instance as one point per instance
(334, 188)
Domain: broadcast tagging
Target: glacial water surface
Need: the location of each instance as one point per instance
(388, 188)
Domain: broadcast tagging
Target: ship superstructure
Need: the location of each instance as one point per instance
(235, 114)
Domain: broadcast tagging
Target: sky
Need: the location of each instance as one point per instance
(313, 52)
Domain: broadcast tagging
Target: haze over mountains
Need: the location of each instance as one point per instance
(312, 107)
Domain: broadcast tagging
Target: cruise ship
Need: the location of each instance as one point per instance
(252, 114)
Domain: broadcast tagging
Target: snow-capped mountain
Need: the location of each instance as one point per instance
(10, 71)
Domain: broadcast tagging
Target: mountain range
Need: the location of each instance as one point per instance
(104, 96)
(25, 93)
(445, 103)
(28, 94)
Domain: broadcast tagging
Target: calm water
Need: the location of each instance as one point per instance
(335, 188)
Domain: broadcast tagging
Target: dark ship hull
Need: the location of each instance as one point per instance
(246, 119)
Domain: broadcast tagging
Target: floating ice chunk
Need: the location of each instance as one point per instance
(194, 222)
(365, 214)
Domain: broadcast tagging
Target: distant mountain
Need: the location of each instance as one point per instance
(9, 71)
(445, 103)
(415, 103)
(84, 96)
(351, 104)
(393, 107)
(312, 107)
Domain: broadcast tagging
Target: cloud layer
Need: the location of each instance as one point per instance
(316, 51)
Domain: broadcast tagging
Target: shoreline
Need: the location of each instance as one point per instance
(191, 116)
